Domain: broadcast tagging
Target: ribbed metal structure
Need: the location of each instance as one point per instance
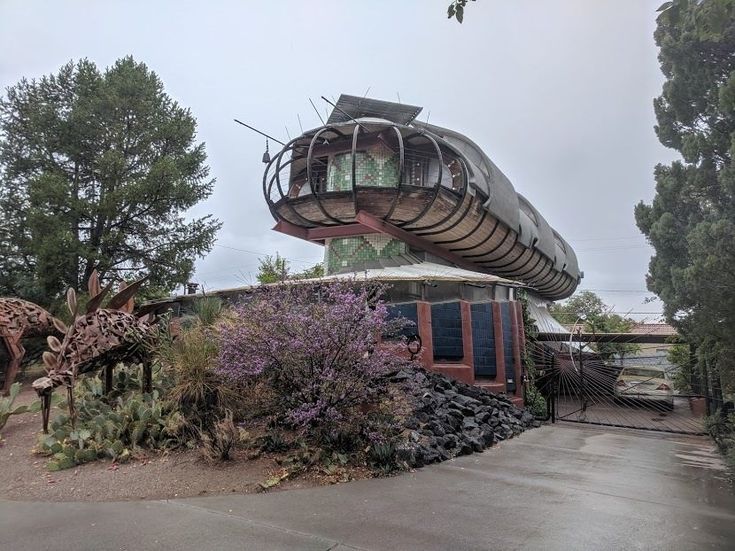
(432, 182)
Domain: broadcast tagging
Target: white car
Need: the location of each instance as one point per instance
(645, 383)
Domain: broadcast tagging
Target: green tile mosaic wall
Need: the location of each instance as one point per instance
(345, 252)
(377, 166)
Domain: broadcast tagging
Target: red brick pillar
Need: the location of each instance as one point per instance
(423, 312)
(516, 320)
(499, 353)
(467, 352)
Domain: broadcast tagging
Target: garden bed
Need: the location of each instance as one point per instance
(149, 475)
(440, 419)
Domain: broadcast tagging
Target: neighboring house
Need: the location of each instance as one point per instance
(650, 354)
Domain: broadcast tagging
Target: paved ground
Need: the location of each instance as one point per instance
(564, 487)
(638, 414)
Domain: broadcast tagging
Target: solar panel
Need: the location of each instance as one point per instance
(355, 107)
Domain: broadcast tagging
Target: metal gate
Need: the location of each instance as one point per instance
(580, 387)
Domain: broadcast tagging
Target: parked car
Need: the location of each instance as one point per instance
(645, 383)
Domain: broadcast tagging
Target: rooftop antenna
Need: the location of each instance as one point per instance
(399, 97)
(287, 132)
(317, 112)
(359, 104)
(259, 132)
(300, 127)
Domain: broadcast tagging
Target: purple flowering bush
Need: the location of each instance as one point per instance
(316, 346)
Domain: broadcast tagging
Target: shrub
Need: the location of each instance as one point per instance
(208, 310)
(535, 402)
(220, 439)
(315, 346)
(201, 393)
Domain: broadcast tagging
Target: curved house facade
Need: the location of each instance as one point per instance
(374, 183)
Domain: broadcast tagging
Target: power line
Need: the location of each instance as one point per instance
(298, 260)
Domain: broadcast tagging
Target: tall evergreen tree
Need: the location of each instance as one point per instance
(691, 221)
(97, 170)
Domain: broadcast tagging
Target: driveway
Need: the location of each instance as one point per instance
(562, 487)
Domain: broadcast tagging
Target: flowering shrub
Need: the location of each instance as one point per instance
(315, 345)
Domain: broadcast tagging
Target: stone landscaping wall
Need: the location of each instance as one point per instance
(449, 418)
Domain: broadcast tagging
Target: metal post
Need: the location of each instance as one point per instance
(582, 401)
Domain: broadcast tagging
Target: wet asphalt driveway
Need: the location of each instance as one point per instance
(564, 487)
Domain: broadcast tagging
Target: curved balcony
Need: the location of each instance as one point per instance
(431, 182)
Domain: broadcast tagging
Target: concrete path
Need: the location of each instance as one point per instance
(564, 487)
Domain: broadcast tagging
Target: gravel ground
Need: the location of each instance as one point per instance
(23, 475)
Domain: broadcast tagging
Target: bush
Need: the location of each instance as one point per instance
(722, 430)
(201, 393)
(315, 347)
(220, 439)
(535, 402)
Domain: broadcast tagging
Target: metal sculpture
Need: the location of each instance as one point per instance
(20, 319)
(98, 338)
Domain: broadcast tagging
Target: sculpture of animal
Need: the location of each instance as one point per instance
(20, 319)
(98, 338)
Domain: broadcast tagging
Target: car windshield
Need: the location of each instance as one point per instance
(642, 372)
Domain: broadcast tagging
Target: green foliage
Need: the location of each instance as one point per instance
(315, 271)
(6, 405)
(680, 357)
(201, 394)
(273, 269)
(208, 310)
(456, 9)
(382, 455)
(97, 170)
(691, 220)
(722, 430)
(536, 403)
(113, 426)
(593, 315)
(219, 440)
(276, 269)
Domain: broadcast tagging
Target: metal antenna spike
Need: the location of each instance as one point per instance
(317, 112)
(259, 132)
(287, 132)
(300, 127)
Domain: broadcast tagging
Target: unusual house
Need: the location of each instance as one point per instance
(375, 184)
(424, 208)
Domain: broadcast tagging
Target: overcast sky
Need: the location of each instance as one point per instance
(558, 94)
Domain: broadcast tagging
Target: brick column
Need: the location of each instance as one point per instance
(516, 320)
(499, 353)
(467, 352)
(423, 313)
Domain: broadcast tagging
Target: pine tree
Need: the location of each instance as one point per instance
(691, 221)
(97, 170)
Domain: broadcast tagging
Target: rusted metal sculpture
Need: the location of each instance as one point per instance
(98, 338)
(20, 319)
